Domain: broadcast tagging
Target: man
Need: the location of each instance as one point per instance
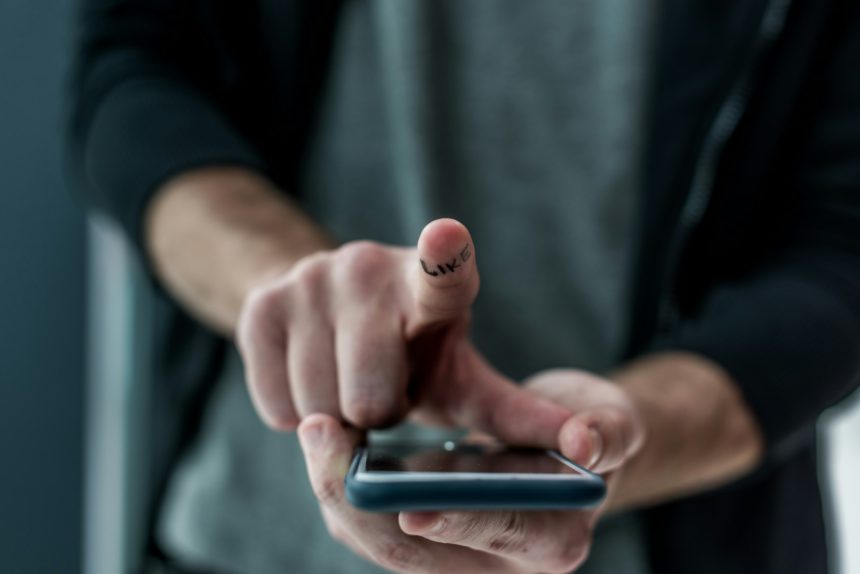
(664, 196)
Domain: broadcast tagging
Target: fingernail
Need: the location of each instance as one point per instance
(312, 436)
(425, 522)
(596, 447)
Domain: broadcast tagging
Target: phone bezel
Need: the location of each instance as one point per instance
(362, 474)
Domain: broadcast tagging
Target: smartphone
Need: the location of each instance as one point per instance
(463, 475)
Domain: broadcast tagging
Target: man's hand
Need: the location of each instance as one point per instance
(366, 331)
(487, 541)
(358, 332)
(215, 233)
(700, 435)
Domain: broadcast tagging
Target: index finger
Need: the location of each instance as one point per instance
(445, 278)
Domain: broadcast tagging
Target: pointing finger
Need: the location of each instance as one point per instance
(445, 278)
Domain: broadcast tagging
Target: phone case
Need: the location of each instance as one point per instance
(515, 493)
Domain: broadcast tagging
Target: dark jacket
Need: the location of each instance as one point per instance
(750, 246)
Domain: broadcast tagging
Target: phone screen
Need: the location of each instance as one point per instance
(465, 458)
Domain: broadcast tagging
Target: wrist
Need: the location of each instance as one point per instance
(700, 431)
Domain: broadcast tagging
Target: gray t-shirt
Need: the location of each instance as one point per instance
(524, 120)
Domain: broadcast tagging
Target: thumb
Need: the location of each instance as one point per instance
(487, 401)
(445, 280)
(601, 439)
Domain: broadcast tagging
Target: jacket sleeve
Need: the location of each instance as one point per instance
(144, 104)
(789, 333)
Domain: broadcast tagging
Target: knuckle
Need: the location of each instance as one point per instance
(362, 252)
(260, 305)
(462, 527)
(367, 413)
(361, 261)
(327, 490)
(260, 320)
(511, 536)
(308, 278)
(397, 555)
(571, 552)
(311, 268)
(570, 558)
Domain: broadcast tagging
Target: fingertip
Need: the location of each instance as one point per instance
(328, 446)
(276, 412)
(441, 235)
(446, 271)
(375, 412)
(445, 247)
(281, 422)
(417, 523)
(575, 442)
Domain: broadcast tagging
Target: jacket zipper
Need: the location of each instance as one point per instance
(724, 125)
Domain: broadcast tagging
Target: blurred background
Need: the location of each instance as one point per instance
(42, 295)
(43, 318)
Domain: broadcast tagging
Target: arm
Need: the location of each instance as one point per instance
(146, 104)
(153, 114)
(213, 234)
(788, 331)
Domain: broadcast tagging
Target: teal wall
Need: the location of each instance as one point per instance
(42, 297)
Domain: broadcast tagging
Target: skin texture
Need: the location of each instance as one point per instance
(339, 339)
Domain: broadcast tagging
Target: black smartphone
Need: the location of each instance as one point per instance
(391, 477)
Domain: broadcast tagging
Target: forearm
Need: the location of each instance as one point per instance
(215, 233)
(700, 433)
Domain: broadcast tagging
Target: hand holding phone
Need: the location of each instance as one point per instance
(513, 541)
(605, 430)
